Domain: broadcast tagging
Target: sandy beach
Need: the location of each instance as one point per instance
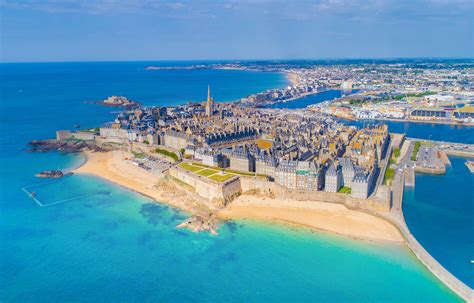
(334, 218)
(293, 78)
(114, 166)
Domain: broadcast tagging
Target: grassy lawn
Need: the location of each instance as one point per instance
(416, 148)
(396, 152)
(166, 153)
(189, 167)
(389, 175)
(138, 155)
(221, 178)
(201, 165)
(242, 173)
(207, 172)
(345, 190)
(227, 170)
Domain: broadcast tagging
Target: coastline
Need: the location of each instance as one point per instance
(333, 218)
(321, 216)
(111, 167)
(293, 78)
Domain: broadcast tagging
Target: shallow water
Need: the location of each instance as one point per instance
(118, 246)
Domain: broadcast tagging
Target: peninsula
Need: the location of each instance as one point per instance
(231, 160)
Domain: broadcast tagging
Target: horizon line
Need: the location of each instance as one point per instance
(255, 59)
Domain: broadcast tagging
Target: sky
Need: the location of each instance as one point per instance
(113, 30)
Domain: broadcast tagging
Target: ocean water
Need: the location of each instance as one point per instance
(439, 212)
(429, 131)
(117, 246)
(310, 99)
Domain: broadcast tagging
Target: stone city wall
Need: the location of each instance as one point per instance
(250, 183)
(207, 188)
(322, 196)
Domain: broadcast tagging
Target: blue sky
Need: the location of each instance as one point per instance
(83, 30)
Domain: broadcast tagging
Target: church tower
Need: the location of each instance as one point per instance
(209, 103)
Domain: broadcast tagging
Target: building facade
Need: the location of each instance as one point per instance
(333, 179)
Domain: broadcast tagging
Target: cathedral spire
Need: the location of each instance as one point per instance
(209, 103)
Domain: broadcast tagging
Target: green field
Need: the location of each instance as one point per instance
(416, 148)
(166, 153)
(201, 165)
(190, 167)
(221, 178)
(345, 190)
(230, 171)
(389, 175)
(207, 172)
(212, 173)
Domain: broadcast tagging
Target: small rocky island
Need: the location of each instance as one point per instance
(199, 223)
(51, 174)
(118, 101)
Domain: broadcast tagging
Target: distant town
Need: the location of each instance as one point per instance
(434, 92)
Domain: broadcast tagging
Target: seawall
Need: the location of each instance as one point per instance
(397, 218)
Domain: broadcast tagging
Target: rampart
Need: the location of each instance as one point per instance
(209, 189)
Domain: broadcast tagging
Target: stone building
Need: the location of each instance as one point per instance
(333, 179)
(308, 176)
(304, 175)
(241, 160)
(266, 165)
(363, 183)
(175, 139)
(347, 169)
(286, 174)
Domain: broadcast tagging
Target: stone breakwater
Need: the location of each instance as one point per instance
(397, 218)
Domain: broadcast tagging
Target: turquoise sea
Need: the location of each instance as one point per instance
(118, 246)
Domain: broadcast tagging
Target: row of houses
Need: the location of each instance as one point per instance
(294, 174)
(343, 173)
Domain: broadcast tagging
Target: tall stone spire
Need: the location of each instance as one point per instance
(208, 93)
(209, 103)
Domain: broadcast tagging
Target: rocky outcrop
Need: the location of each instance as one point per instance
(51, 174)
(198, 223)
(64, 146)
(118, 101)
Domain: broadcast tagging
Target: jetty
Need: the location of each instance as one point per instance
(396, 217)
